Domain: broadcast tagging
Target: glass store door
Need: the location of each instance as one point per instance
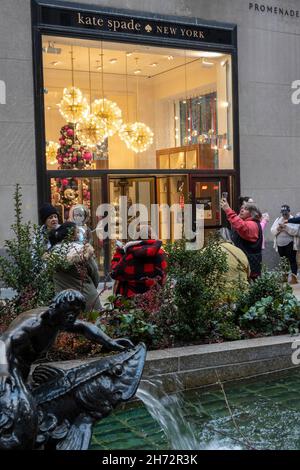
(208, 191)
(137, 190)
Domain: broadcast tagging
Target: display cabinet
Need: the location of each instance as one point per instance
(192, 157)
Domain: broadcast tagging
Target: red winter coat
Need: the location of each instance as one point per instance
(138, 266)
(246, 228)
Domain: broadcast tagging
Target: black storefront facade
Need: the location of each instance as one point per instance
(194, 156)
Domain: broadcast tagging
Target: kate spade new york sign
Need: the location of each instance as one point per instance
(132, 25)
(121, 24)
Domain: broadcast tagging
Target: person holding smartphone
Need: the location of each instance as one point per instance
(286, 239)
(246, 233)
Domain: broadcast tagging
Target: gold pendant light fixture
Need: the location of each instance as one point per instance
(125, 134)
(108, 115)
(95, 122)
(141, 137)
(73, 106)
(137, 136)
(106, 112)
(88, 130)
(51, 152)
(125, 131)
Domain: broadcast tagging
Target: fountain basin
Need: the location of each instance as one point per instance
(195, 366)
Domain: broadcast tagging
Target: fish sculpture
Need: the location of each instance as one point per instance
(57, 405)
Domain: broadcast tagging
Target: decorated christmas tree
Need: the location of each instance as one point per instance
(71, 154)
(69, 192)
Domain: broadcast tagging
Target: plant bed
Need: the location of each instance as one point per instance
(196, 306)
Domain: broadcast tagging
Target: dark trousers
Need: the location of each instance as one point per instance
(288, 252)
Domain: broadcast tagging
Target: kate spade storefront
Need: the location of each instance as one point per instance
(136, 106)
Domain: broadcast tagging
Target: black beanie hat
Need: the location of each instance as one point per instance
(46, 210)
(285, 208)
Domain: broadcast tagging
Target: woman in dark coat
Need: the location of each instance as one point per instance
(76, 267)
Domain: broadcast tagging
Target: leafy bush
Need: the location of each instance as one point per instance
(7, 313)
(199, 287)
(122, 318)
(271, 315)
(228, 330)
(270, 283)
(24, 269)
(197, 304)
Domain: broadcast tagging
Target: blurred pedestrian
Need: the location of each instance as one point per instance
(286, 239)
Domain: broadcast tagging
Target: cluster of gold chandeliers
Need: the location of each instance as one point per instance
(89, 131)
(109, 116)
(125, 133)
(137, 136)
(73, 106)
(105, 120)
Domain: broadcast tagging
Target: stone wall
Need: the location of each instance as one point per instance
(197, 366)
(17, 127)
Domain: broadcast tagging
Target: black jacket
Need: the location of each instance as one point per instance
(294, 220)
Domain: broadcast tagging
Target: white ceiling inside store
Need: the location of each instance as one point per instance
(149, 60)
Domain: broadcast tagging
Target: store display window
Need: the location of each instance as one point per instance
(114, 105)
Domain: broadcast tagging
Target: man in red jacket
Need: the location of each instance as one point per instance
(247, 233)
(138, 265)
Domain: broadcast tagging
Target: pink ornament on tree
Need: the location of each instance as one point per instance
(87, 156)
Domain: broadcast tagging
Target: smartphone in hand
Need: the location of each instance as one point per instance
(224, 195)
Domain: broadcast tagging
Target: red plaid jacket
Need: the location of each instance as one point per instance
(138, 267)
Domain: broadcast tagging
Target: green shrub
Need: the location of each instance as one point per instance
(24, 269)
(122, 318)
(270, 283)
(272, 316)
(200, 288)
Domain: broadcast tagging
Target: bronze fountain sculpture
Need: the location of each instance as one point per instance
(55, 407)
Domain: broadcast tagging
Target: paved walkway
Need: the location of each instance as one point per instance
(106, 293)
(296, 289)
